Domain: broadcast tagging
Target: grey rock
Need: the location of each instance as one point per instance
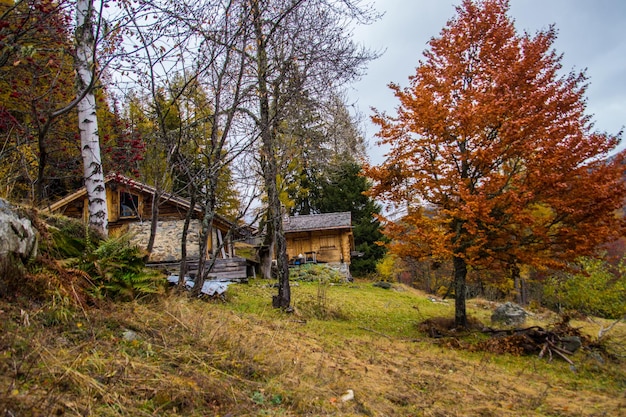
(130, 335)
(510, 314)
(571, 343)
(17, 234)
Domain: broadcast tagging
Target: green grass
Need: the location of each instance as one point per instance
(353, 309)
(241, 357)
(365, 311)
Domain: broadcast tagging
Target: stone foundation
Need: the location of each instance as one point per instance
(168, 238)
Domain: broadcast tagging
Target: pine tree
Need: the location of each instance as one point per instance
(344, 189)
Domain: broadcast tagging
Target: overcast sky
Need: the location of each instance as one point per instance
(591, 35)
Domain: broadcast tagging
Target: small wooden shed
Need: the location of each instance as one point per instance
(325, 238)
(129, 204)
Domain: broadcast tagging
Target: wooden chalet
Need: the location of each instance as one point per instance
(129, 205)
(319, 238)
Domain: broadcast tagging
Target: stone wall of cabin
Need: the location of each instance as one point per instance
(167, 242)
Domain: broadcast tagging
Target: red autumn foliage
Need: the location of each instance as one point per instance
(36, 80)
(493, 154)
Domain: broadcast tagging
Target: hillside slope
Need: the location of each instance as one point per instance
(239, 357)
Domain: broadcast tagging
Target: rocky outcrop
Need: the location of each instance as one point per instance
(18, 237)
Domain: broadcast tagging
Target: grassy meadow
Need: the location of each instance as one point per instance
(176, 356)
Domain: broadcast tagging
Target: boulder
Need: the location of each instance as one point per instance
(18, 237)
(510, 314)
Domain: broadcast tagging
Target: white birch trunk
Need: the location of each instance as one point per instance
(87, 121)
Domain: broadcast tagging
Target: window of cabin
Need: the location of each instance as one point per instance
(129, 205)
(328, 241)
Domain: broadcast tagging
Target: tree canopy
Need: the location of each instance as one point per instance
(493, 155)
(39, 155)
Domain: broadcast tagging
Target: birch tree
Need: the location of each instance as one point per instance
(85, 59)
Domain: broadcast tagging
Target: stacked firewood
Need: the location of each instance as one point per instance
(560, 340)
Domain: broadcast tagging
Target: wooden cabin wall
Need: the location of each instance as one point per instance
(77, 209)
(346, 246)
(330, 246)
(113, 205)
(167, 211)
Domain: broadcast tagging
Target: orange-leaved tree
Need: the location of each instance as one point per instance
(492, 153)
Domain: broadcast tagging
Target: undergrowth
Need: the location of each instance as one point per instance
(316, 273)
(79, 266)
(177, 356)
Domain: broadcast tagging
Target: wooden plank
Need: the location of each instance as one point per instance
(228, 275)
(232, 267)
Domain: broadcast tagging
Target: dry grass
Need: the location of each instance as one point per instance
(242, 358)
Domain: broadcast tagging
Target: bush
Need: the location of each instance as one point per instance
(386, 268)
(118, 270)
(595, 290)
(316, 272)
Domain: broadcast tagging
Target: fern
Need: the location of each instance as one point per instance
(119, 272)
(133, 285)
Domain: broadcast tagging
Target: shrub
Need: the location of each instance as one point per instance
(386, 268)
(118, 270)
(316, 272)
(595, 290)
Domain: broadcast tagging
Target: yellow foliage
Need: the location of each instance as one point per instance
(387, 267)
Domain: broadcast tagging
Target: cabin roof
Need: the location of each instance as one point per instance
(136, 186)
(128, 182)
(325, 221)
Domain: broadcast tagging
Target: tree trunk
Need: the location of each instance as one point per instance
(206, 233)
(518, 285)
(87, 122)
(183, 239)
(269, 164)
(154, 219)
(460, 274)
(41, 169)
(283, 299)
(265, 259)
